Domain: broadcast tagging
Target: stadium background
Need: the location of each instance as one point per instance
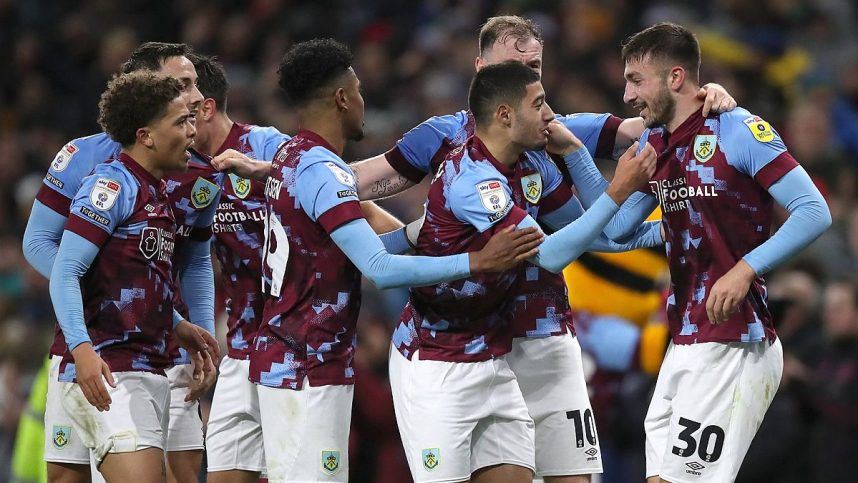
(793, 62)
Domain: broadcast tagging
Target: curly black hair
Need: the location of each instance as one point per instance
(504, 83)
(150, 55)
(211, 79)
(134, 100)
(307, 66)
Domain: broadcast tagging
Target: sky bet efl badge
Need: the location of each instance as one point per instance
(330, 462)
(492, 195)
(760, 129)
(241, 186)
(704, 147)
(203, 193)
(431, 458)
(104, 194)
(532, 187)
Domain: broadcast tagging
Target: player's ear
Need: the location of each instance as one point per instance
(340, 99)
(207, 109)
(503, 114)
(144, 137)
(676, 78)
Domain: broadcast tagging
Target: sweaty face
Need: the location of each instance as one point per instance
(183, 69)
(354, 116)
(527, 51)
(172, 135)
(647, 91)
(530, 119)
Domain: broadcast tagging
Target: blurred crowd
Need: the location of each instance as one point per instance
(793, 62)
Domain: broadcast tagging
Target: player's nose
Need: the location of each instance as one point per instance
(629, 95)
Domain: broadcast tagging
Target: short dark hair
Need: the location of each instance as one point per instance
(505, 26)
(498, 83)
(134, 100)
(150, 55)
(665, 41)
(309, 65)
(211, 79)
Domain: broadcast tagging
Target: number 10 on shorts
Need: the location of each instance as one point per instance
(584, 427)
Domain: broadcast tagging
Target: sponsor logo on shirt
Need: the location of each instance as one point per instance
(492, 195)
(346, 193)
(101, 220)
(704, 147)
(203, 193)
(61, 161)
(54, 181)
(330, 462)
(157, 243)
(673, 194)
(761, 130)
(531, 185)
(104, 194)
(229, 219)
(342, 175)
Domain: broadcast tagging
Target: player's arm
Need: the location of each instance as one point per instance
(42, 237)
(324, 195)
(591, 184)
(377, 178)
(755, 149)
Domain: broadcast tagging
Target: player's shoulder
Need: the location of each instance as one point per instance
(111, 180)
(448, 124)
(469, 173)
(87, 150)
(266, 132)
(580, 117)
(741, 126)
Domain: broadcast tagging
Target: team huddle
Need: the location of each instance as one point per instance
(485, 368)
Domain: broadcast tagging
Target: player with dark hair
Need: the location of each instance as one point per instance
(461, 411)
(716, 180)
(68, 459)
(112, 282)
(317, 245)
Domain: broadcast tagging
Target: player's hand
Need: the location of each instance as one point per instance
(204, 376)
(90, 370)
(561, 141)
(195, 339)
(716, 99)
(728, 292)
(506, 249)
(633, 171)
(240, 164)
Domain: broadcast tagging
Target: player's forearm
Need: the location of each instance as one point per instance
(42, 236)
(586, 177)
(808, 218)
(562, 247)
(73, 259)
(647, 235)
(377, 179)
(629, 131)
(196, 278)
(631, 214)
(363, 247)
(378, 218)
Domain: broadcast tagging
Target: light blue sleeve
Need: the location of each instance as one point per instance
(76, 160)
(590, 183)
(419, 145)
(197, 283)
(808, 218)
(323, 182)
(264, 142)
(562, 247)
(744, 151)
(479, 197)
(42, 237)
(396, 241)
(646, 235)
(587, 127)
(73, 259)
(363, 247)
(551, 177)
(97, 203)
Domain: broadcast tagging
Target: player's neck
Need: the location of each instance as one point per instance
(500, 146)
(686, 105)
(142, 156)
(219, 127)
(331, 130)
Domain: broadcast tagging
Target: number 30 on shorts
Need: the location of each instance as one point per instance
(708, 447)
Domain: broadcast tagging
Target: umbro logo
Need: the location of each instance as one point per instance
(695, 466)
(591, 452)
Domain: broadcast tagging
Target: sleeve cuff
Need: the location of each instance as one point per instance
(556, 199)
(339, 215)
(608, 137)
(54, 200)
(87, 230)
(775, 169)
(403, 166)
